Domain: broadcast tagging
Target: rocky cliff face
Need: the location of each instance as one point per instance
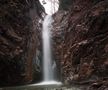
(19, 30)
(80, 37)
(80, 40)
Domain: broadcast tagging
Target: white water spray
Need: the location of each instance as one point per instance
(48, 63)
(48, 74)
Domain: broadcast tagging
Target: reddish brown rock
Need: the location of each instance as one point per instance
(81, 38)
(19, 29)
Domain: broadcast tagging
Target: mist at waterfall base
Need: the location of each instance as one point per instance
(49, 65)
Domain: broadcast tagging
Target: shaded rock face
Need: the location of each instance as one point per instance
(65, 4)
(19, 30)
(80, 37)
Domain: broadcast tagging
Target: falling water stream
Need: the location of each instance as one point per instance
(48, 74)
(48, 70)
(49, 66)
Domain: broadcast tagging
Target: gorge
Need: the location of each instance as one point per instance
(80, 42)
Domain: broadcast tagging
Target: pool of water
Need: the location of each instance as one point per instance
(42, 87)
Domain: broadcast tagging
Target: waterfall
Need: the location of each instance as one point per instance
(48, 74)
(49, 64)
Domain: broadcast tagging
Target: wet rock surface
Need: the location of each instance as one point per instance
(80, 42)
(19, 26)
(80, 37)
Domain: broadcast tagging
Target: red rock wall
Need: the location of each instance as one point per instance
(80, 37)
(18, 40)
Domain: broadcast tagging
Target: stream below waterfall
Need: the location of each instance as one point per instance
(42, 88)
